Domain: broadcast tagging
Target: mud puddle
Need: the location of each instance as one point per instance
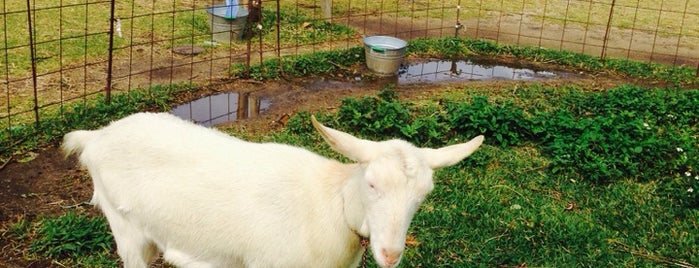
(221, 108)
(466, 70)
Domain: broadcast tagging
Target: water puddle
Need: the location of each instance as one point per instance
(221, 108)
(226, 107)
(465, 70)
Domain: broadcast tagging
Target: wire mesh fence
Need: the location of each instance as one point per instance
(56, 52)
(662, 31)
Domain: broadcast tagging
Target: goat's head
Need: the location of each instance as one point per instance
(397, 177)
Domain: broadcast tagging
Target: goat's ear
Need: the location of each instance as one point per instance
(350, 146)
(452, 154)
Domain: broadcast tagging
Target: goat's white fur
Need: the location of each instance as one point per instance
(206, 199)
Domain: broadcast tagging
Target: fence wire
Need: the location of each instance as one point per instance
(53, 53)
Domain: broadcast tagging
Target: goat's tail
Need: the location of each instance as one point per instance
(74, 142)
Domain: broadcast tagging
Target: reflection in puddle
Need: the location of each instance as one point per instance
(220, 108)
(225, 107)
(445, 71)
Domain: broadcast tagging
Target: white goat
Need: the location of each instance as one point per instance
(206, 199)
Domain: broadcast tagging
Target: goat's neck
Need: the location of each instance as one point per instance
(354, 209)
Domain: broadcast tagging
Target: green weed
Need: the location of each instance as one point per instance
(71, 236)
(504, 122)
(304, 65)
(20, 229)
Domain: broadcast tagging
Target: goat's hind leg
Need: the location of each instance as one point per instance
(134, 248)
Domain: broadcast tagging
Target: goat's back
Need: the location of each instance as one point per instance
(214, 197)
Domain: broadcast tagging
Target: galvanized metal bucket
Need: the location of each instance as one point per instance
(225, 29)
(384, 54)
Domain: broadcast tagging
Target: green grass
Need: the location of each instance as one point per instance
(71, 235)
(73, 239)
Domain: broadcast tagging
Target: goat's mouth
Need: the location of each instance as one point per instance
(386, 257)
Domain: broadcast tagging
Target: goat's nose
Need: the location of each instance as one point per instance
(391, 256)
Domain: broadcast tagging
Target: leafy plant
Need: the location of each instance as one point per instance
(448, 47)
(383, 116)
(72, 236)
(622, 133)
(429, 128)
(318, 63)
(505, 123)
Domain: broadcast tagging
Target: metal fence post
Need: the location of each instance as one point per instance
(458, 25)
(33, 63)
(606, 33)
(112, 20)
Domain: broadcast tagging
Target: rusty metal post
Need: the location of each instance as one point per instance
(457, 25)
(33, 63)
(606, 33)
(110, 60)
(279, 49)
(248, 48)
(261, 46)
(254, 19)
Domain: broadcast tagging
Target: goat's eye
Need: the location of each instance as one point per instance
(371, 186)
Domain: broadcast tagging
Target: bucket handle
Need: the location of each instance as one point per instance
(378, 49)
